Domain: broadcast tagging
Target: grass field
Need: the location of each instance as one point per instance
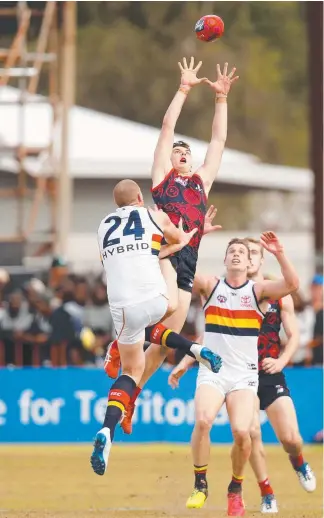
(142, 481)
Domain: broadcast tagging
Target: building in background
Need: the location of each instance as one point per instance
(251, 196)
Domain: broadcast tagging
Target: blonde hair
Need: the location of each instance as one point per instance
(256, 242)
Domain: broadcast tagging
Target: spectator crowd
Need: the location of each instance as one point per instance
(64, 319)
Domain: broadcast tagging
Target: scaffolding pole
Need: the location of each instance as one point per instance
(65, 183)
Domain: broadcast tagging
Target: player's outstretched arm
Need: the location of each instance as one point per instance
(204, 285)
(289, 281)
(162, 155)
(221, 87)
(289, 321)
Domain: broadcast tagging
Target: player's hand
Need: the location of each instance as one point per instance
(271, 243)
(208, 225)
(189, 73)
(175, 375)
(272, 365)
(185, 237)
(224, 81)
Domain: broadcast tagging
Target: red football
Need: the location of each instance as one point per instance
(209, 28)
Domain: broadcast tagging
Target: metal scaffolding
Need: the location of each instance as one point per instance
(52, 63)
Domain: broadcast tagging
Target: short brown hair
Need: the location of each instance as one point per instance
(181, 143)
(256, 242)
(239, 241)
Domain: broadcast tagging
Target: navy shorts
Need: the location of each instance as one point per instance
(185, 264)
(271, 387)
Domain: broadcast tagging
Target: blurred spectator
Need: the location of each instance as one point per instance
(316, 344)
(305, 316)
(15, 320)
(98, 318)
(38, 334)
(4, 280)
(66, 323)
(57, 273)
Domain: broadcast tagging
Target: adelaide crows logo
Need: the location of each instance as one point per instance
(221, 299)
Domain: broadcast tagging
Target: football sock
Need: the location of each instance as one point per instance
(297, 461)
(135, 395)
(161, 335)
(235, 485)
(200, 477)
(265, 487)
(118, 398)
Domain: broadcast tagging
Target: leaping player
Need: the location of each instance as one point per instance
(129, 242)
(181, 193)
(273, 394)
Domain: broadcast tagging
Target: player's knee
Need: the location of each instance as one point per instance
(135, 367)
(242, 437)
(290, 439)
(255, 433)
(172, 307)
(203, 423)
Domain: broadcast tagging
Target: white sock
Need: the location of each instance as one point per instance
(195, 349)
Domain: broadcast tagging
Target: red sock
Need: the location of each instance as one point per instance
(298, 461)
(265, 487)
(135, 395)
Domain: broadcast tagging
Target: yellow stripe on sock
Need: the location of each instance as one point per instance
(238, 478)
(117, 404)
(200, 468)
(165, 336)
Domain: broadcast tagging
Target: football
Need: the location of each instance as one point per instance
(209, 28)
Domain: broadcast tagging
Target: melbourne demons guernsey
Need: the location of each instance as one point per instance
(269, 343)
(232, 325)
(183, 197)
(129, 243)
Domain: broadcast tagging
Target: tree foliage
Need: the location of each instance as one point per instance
(127, 66)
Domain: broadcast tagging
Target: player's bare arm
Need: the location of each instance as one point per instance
(208, 171)
(162, 164)
(167, 250)
(289, 321)
(204, 285)
(180, 370)
(172, 234)
(289, 282)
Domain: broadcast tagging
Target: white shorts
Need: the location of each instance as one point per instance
(130, 322)
(228, 379)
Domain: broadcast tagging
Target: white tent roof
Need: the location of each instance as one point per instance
(104, 146)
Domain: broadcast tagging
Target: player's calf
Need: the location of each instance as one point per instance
(292, 444)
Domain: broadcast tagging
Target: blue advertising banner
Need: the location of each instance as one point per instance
(68, 405)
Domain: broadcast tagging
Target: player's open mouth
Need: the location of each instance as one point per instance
(183, 160)
(236, 261)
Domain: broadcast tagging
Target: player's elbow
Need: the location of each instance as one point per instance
(293, 285)
(220, 140)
